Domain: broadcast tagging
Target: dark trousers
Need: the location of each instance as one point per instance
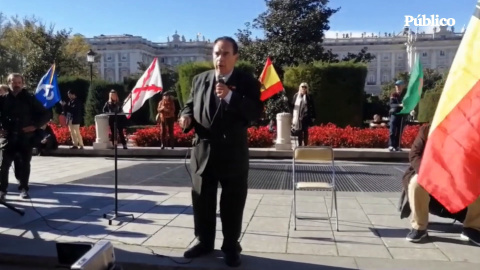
(232, 204)
(397, 124)
(303, 133)
(119, 132)
(21, 157)
(166, 128)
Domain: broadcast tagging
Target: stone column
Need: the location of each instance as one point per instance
(101, 127)
(284, 141)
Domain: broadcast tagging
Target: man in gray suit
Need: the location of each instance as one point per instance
(221, 105)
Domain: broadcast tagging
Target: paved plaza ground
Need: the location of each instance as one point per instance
(72, 194)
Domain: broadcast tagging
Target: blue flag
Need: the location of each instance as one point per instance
(47, 90)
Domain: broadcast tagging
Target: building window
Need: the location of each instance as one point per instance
(424, 54)
(385, 78)
(371, 79)
(442, 53)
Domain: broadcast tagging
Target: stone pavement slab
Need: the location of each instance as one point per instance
(167, 223)
(371, 234)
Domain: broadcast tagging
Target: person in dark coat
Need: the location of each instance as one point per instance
(73, 113)
(113, 105)
(221, 105)
(397, 121)
(303, 114)
(45, 140)
(416, 202)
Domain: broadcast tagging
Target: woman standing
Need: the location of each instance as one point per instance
(111, 106)
(303, 113)
(166, 111)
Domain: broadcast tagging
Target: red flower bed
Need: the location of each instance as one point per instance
(260, 137)
(257, 137)
(63, 135)
(329, 134)
(350, 137)
(151, 137)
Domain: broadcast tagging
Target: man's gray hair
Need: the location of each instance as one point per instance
(14, 75)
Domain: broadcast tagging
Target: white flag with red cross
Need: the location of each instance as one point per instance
(147, 86)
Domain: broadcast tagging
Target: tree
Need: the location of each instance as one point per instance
(432, 79)
(9, 60)
(37, 47)
(294, 32)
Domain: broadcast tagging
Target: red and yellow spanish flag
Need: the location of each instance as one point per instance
(450, 168)
(270, 81)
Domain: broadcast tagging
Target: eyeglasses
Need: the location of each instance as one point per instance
(303, 86)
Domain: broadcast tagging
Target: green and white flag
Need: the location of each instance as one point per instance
(414, 90)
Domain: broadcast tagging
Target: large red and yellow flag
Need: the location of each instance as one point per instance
(450, 168)
(270, 81)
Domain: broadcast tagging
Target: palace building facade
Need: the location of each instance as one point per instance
(119, 55)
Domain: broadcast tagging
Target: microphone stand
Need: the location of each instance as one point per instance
(115, 143)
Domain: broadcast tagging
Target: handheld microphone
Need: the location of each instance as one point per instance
(221, 79)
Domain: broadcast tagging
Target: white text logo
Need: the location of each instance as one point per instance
(432, 20)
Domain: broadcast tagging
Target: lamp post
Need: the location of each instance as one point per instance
(91, 60)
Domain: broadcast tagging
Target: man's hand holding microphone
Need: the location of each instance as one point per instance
(185, 121)
(221, 90)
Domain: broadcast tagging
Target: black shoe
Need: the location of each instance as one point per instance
(416, 235)
(232, 259)
(197, 251)
(471, 235)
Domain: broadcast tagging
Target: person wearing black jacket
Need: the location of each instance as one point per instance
(303, 113)
(397, 122)
(21, 114)
(220, 107)
(73, 112)
(45, 140)
(111, 106)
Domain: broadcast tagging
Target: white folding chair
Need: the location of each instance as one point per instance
(315, 155)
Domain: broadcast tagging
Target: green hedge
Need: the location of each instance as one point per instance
(187, 71)
(428, 105)
(337, 90)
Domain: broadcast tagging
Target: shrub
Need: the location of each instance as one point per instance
(428, 105)
(63, 135)
(337, 90)
(187, 71)
(351, 137)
